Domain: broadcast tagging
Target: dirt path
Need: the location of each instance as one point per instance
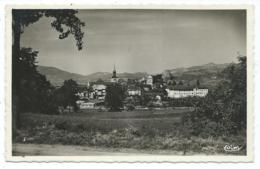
(68, 150)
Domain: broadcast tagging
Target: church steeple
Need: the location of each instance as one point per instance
(114, 72)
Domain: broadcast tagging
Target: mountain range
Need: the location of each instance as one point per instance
(57, 76)
(207, 74)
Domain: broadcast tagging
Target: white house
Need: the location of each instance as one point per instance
(134, 91)
(97, 87)
(89, 105)
(149, 80)
(85, 105)
(85, 95)
(187, 93)
(99, 91)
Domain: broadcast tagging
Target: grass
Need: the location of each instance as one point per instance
(107, 121)
(139, 129)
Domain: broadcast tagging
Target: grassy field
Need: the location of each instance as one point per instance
(157, 129)
(162, 120)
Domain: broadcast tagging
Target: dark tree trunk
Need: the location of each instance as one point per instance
(15, 78)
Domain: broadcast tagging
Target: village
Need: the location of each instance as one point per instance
(150, 91)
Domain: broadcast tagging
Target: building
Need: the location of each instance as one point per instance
(82, 95)
(94, 104)
(99, 91)
(149, 80)
(114, 78)
(186, 93)
(134, 91)
(84, 92)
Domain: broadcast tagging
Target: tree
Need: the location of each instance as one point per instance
(170, 75)
(114, 97)
(237, 75)
(180, 83)
(66, 95)
(198, 83)
(65, 22)
(223, 111)
(145, 99)
(157, 78)
(174, 83)
(34, 90)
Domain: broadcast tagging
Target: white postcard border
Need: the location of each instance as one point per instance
(137, 158)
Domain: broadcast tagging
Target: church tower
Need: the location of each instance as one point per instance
(114, 72)
(114, 79)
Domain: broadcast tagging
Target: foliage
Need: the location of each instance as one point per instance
(35, 91)
(30, 90)
(157, 78)
(174, 83)
(144, 133)
(183, 102)
(223, 111)
(180, 83)
(163, 120)
(66, 94)
(145, 99)
(198, 83)
(115, 95)
(65, 22)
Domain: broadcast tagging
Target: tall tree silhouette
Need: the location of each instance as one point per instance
(114, 97)
(65, 22)
(65, 95)
(198, 83)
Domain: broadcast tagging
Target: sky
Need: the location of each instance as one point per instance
(141, 40)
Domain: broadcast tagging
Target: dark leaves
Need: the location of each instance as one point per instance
(65, 95)
(68, 19)
(64, 35)
(224, 110)
(114, 97)
(32, 88)
(63, 20)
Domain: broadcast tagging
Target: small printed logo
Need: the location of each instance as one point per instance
(232, 148)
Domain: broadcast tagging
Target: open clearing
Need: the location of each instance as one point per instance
(146, 132)
(163, 120)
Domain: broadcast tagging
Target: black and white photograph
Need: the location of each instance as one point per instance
(130, 82)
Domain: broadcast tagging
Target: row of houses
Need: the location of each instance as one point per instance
(97, 91)
(95, 94)
(187, 93)
(175, 93)
(91, 104)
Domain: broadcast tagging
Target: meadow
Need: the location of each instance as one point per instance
(154, 129)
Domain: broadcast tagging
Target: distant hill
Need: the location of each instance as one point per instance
(107, 76)
(207, 75)
(57, 76)
(211, 68)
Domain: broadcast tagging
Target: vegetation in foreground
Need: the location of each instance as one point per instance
(150, 130)
(224, 110)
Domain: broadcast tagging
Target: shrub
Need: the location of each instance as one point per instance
(63, 125)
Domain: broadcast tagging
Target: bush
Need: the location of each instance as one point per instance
(63, 125)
